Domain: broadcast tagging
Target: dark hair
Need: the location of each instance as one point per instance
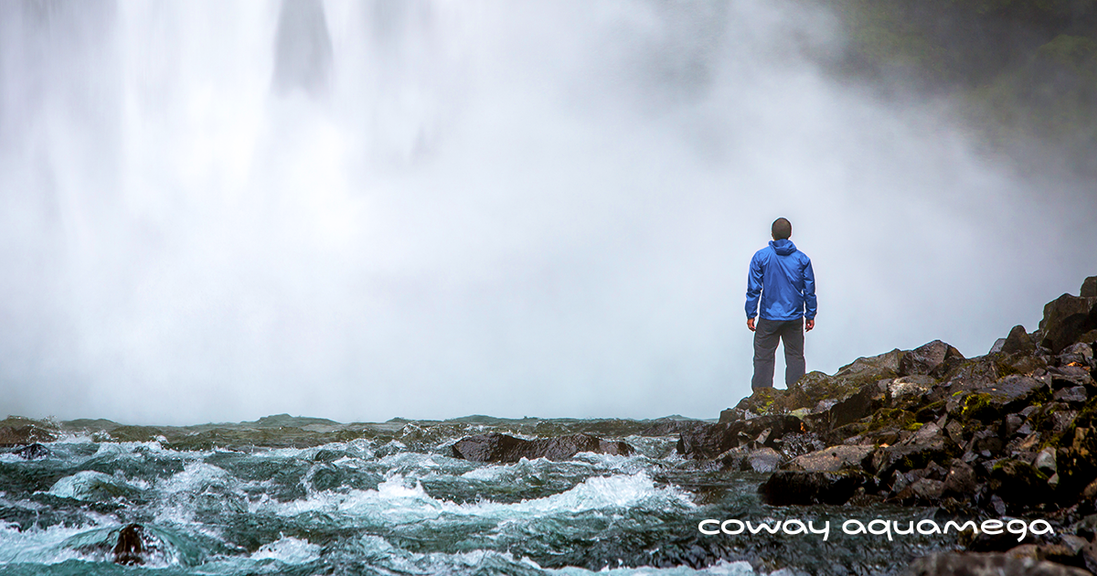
(782, 229)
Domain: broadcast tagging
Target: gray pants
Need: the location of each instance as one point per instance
(766, 335)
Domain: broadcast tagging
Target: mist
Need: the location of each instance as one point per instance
(214, 211)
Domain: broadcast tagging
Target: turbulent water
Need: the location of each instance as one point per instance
(296, 496)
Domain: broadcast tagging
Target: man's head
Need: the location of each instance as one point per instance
(782, 229)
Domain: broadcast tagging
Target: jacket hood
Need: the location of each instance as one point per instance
(782, 247)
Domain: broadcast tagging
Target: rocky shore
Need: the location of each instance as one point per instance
(1011, 434)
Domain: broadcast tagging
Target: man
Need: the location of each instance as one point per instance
(782, 275)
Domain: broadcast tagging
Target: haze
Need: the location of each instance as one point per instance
(214, 211)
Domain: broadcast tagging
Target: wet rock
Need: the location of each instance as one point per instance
(1019, 484)
(1071, 376)
(130, 549)
(713, 439)
(32, 452)
(928, 444)
(923, 490)
(986, 564)
(960, 480)
(833, 459)
(730, 415)
(932, 359)
(497, 447)
(764, 401)
(764, 460)
(787, 488)
(1066, 319)
(990, 401)
(1077, 354)
(1018, 342)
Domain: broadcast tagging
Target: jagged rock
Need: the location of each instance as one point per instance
(787, 488)
(1069, 376)
(497, 447)
(1076, 462)
(1019, 484)
(960, 481)
(870, 398)
(1075, 395)
(872, 368)
(933, 358)
(923, 490)
(765, 401)
(1066, 319)
(764, 460)
(928, 444)
(1089, 288)
(1018, 342)
(668, 427)
(833, 459)
(714, 439)
(986, 564)
(1077, 354)
(130, 549)
(730, 415)
(33, 451)
(990, 401)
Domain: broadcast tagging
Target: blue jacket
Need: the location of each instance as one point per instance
(782, 275)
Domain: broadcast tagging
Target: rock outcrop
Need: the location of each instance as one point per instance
(497, 447)
(1013, 432)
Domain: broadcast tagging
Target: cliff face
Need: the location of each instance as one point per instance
(1025, 71)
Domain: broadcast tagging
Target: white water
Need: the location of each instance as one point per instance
(475, 207)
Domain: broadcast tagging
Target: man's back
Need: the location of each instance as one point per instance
(784, 278)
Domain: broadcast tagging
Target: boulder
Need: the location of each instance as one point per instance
(497, 447)
(934, 359)
(764, 460)
(1019, 484)
(960, 481)
(786, 488)
(990, 401)
(872, 368)
(833, 459)
(1066, 319)
(1089, 288)
(986, 564)
(1018, 342)
(130, 548)
(870, 398)
(32, 451)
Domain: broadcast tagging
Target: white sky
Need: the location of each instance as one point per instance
(496, 208)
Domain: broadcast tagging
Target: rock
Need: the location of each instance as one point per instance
(1019, 484)
(714, 439)
(33, 451)
(915, 385)
(960, 481)
(872, 368)
(764, 460)
(924, 490)
(765, 401)
(1077, 354)
(932, 359)
(867, 400)
(990, 401)
(833, 459)
(1018, 342)
(1070, 376)
(730, 415)
(787, 488)
(24, 435)
(1089, 288)
(130, 548)
(1066, 319)
(928, 444)
(1045, 461)
(1075, 395)
(497, 447)
(986, 564)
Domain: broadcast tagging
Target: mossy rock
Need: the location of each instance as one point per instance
(766, 401)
